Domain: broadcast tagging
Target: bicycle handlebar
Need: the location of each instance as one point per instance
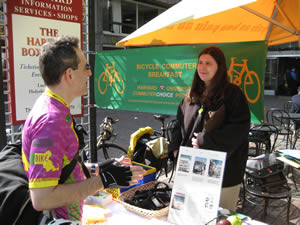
(106, 129)
(108, 119)
(161, 117)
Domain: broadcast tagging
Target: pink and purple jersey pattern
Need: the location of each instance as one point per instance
(49, 143)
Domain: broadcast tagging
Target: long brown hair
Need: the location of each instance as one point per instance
(218, 83)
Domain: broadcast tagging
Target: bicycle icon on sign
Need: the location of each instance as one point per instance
(250, 79)
(109, 77)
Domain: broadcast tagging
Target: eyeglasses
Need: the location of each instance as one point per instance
(86, 67)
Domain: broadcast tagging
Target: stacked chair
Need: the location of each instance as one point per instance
(281, 119)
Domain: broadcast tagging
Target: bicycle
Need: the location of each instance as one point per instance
(105, 145)
(14, 134)
(236, 78)
(147, 143)
(165, 132)
(163, 129)
(108, 77)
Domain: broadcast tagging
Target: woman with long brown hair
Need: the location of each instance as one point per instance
(215, 115)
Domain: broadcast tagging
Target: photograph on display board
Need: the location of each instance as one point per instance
(178, 201)
(199, 166)
(215, 168)
(184, 163)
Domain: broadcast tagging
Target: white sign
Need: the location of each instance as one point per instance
(197, 186)
(29, 25)
(28, 82)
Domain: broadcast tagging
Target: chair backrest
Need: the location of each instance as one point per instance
(279, 117)
(265, 134)
(269, 112)
(287, 106)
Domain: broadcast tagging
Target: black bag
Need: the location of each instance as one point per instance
(265, 174)
(151, 160)
(143, 154)
(140, 148)
(154, 199)
(15, 203)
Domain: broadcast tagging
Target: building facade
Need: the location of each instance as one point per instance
(281, 59)
(115, 19)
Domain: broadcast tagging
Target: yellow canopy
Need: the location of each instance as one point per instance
(221, 21)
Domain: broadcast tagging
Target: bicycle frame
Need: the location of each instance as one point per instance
(236, 78)
(109, 77)
(109, 149)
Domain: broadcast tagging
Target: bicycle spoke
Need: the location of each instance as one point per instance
(110, 150)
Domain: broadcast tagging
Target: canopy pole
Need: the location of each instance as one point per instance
(285, 15)
(294, 32)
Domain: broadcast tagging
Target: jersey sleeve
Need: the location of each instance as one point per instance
(47, 154)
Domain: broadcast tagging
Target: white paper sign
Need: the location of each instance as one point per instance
(197, 186)
(28, 82)
(29, 25)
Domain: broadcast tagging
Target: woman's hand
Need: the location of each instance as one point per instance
(175, 153)
(194, 141)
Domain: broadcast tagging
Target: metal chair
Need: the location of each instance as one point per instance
(283, 122)
(277, 190)
(296, 134)
(262, 139)
(287, 106)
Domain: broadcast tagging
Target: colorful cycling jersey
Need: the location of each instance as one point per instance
(49, 143)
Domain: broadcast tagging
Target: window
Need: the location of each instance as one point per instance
(107, 16)
(128, 17)
(124, 17)
(145, 14)
(285, 47)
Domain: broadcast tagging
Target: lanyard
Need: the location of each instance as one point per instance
(200, 111)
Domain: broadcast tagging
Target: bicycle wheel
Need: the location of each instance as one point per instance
(119, 83)
(103, 83)
(252, 81)
(110, 150)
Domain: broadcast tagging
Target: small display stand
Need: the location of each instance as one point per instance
(197, 186)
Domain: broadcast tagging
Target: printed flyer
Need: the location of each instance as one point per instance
(197, 186)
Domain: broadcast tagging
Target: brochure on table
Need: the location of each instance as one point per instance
(197, 186)
(290, 153)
